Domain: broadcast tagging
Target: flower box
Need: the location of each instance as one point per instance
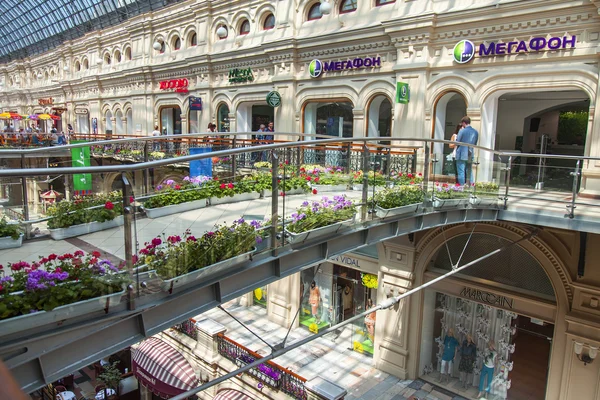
(10, 243)
(397, 211)
(82, 229)
(449, 204)
(269, 193)
(272, 381)
(59, 314)
(486, 202)
(175, 208)
(297, 238)
(235, 198)
(206, 272)
(331, 188)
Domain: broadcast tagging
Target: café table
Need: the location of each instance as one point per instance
(100, 394)
(66, 396)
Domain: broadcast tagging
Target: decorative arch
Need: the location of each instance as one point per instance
(116, 107)
(452, 83)
(218, 22)
(106, 107)
(262, 11)
(372, 107)
(167, 102)
(239, 16)
(127, 52)
(316, 93)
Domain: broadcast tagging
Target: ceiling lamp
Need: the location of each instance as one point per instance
(222, 32)
(325, 7)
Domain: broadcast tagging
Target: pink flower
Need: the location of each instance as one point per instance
(156, 241)
(230, 185)
(191, 239)
(79, 253)
(223, 186)
(109, 205)
(96, 253)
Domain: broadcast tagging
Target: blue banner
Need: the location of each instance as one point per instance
(195, 103)
(200, 167)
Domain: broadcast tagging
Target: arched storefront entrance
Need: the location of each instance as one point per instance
(380, 117)
(449, 109)
(223, 118)
(170, 120)
(330, 117)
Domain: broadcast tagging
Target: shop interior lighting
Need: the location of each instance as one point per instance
(325, 7)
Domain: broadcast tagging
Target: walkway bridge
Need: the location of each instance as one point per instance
(45, 346)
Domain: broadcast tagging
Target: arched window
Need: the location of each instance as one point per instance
(86, 64)
(176, 43)
(315, 12)
(46, 75)
(245, 27)
(128, 54)
(347, 6)
(223, 118)
(77, 66)
(193, 39)
(269, 22)
(118, 56)
(383, 2)
(162, 47)
(107, 59)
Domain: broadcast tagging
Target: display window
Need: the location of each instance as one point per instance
(223, 118)
(260, 296)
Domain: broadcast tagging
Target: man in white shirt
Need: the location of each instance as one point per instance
(155, 144)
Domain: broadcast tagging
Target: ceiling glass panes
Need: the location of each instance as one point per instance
(29, 27)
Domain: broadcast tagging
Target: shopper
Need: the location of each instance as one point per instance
(258, 140)
(155, 143)
(464, 154)
(453, 147)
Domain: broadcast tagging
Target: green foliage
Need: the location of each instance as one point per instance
(9, 230)
(572, 127)
(486, 189)
(110, 376)
(398, 196)
(84, 209)
(446, 191)
(317, 214)
(375, 178)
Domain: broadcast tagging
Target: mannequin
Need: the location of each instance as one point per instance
(487, 369)
(347, 298)
(468, 355)
(370, 321)
(450, 350)
(314, 299)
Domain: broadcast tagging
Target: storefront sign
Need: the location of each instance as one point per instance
(195, 103)
(179, 85)
(46, 101)
(274, 99)
(402, 93)
(81, 110)
(487, 297)
(237, 75)
(80, 157)
(464, 51)
(353, 262)
(316, 67)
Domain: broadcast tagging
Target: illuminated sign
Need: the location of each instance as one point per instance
(178, 85)
(46, 101)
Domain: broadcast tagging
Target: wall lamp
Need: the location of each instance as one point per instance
(585, 358)
(325, 7)
(222, 32)
(157, 45)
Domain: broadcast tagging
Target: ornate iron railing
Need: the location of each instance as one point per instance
(188, 328)
(269, 373)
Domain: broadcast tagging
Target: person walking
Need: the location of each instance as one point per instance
(464, 154)
(453, 147)
(259, 139)
(155, 144)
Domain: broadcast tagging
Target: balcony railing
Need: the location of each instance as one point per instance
(269, 373)
(188, 328)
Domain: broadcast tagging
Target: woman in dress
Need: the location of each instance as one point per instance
(314, 299)
(370, 321)
(468, 352)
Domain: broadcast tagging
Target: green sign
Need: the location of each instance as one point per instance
(80, 157)
(402, 93)
(237, 75)
(274, 99)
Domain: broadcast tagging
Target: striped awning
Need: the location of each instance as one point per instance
(230, 394)
(162, 369)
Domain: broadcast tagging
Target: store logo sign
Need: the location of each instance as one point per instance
(487, 297)
(317, 67)
(46, 101)
(179, 85)
(402, 93)
(464, 51)
(353, 262)
(237, 75)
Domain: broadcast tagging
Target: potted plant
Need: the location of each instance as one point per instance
(110, 378)
(485, 194)
(398, 200)
(173, 198)
(59, 287)
(10, 235)
(180, 260)
(326, 179)
(243, 189)
(85, 214)
(409, 178)
(447, 196)
(375, 178)
(319, 218)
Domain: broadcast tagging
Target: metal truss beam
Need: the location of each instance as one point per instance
(46, 353)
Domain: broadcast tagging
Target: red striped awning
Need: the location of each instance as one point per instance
(230, 394)
(162, 369)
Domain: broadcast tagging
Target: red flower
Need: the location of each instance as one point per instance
(412, 182)
(109, 206)
(308, 178)
(287, 162)
(420, 174)
(445, 185)
(144, 251)
(215, 178)
(156, 241)
(79, 253)
(1, 266)
(457, 184)
(223, 186)
(59, 270)
(52, 257)
(177, 187)
(96, 253)
(399, 173)
(93, 260)
(302, 169)
(409, 175)
(134, 259)
(131, 199)
(44, 260)
(317, 179)
(282, 194)
(230, 185)
(191, 239)
(314, 191)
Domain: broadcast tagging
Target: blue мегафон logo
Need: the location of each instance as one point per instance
(315, 68)
(464, 51)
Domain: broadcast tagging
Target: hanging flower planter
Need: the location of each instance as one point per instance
(235, 198)
(83, 229)
(175, 209)
(449, 197)
(449, 204)
(8, 242)
(398, 201)
(485, 202)
(338, 189)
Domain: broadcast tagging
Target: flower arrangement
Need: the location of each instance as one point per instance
(270, 371)
(57, 280)
(318, 175)
(486, 189)
(369, 281)
(445, 191)
(246, 184)
(157, 155)
(85, 209)
(173, 256)
(170, 192)
(398, 196)
(374, 178)
(406, 179)
(262, 165)
(9, 230)
(316, 214)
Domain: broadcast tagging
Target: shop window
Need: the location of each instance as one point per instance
(128, 54)
(193, 39)
(348, 6)
(223, 118)
(329, 118)
(245, 27)
(314, 12)
(383, 2)
(176, 43)
(118, 56)
(269, 22)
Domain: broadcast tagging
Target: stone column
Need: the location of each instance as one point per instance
(283, 300)
(358, 123)
(207, 347)
(184, 125)
(391, 330)
(124, 123)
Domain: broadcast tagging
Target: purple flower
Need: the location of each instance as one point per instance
(6, 279)
(40, 279)
(109, 265)
(187, 179)
(259, 240)
(169, 182)
(240, 221)
(255, 224)
(159, 187)
(305, 204)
